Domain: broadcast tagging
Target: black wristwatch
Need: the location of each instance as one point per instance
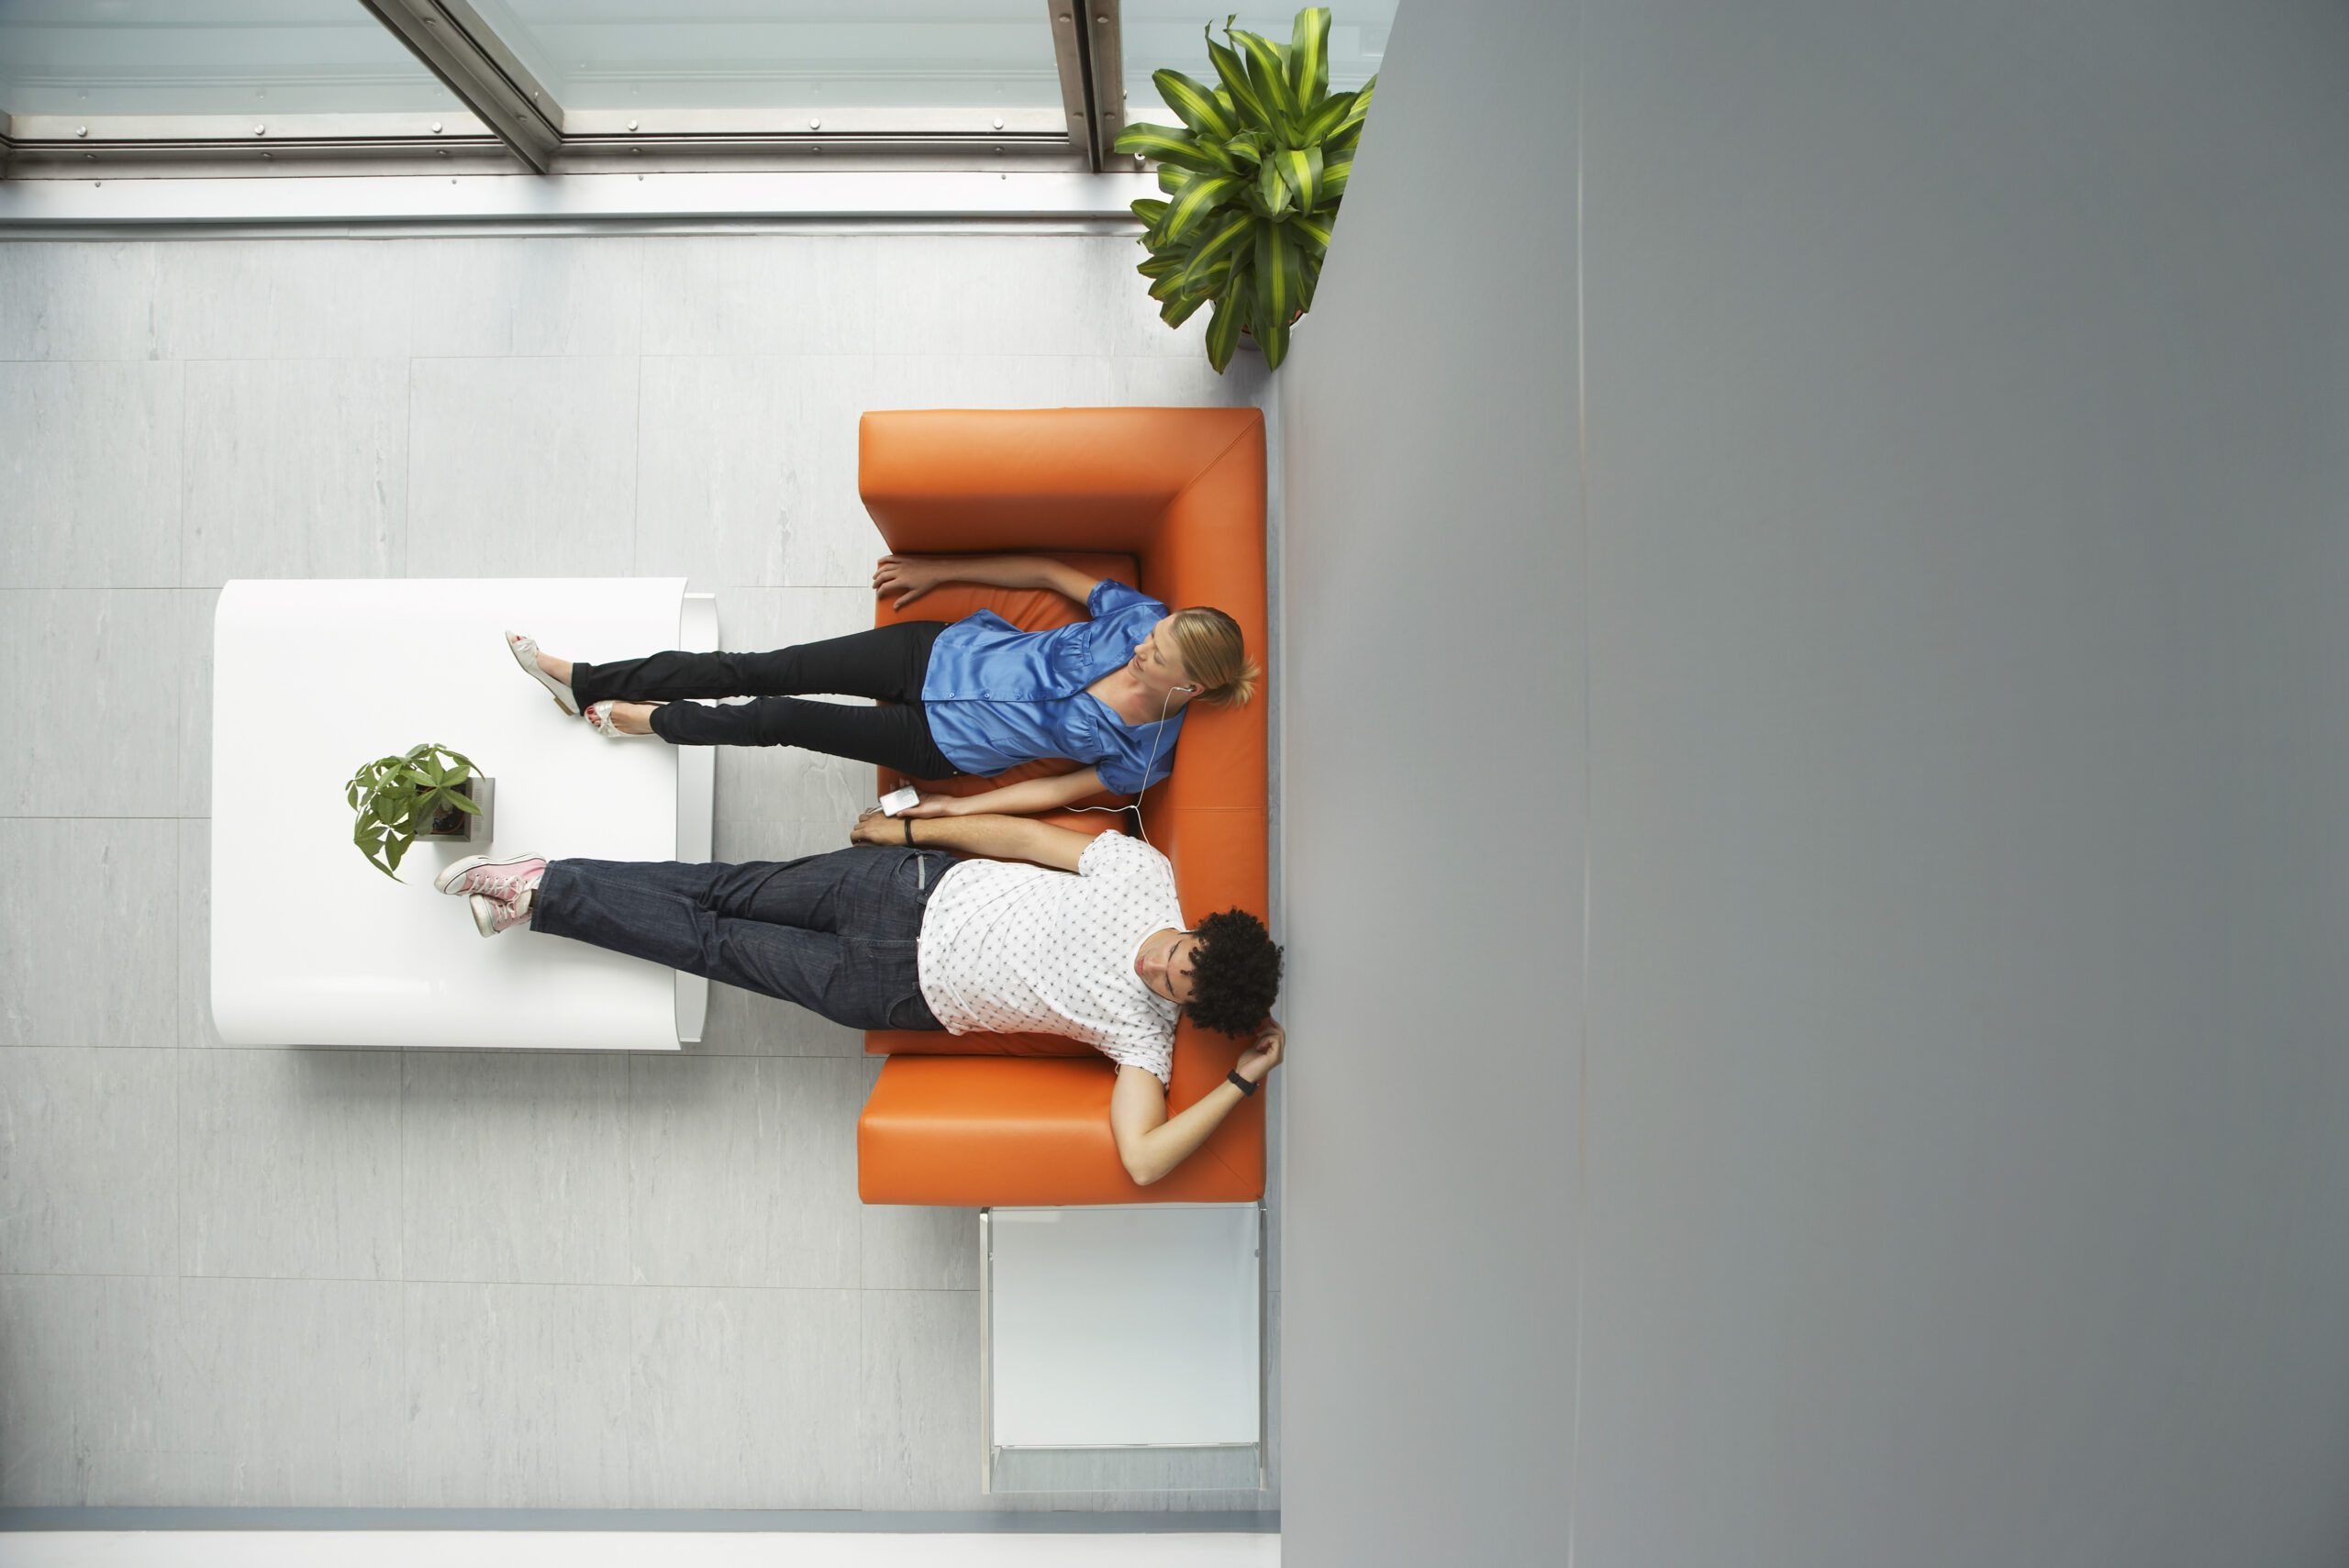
(909, 830)
(1245, 1086)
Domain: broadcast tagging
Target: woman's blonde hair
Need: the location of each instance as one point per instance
(1208, 643)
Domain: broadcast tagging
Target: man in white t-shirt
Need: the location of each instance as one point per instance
(988, 924)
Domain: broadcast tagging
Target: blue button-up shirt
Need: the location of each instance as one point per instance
(997, 696)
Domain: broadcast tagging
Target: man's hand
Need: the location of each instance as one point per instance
(873, 828)
(1264, 1053)
(909, 577)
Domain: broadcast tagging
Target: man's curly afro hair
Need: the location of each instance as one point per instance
(1235, 973)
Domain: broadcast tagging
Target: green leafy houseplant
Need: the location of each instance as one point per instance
(1251, 181)
(399, 797)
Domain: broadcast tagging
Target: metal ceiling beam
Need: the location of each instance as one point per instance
(1077, 95)
(1105, 77)
(456, 45)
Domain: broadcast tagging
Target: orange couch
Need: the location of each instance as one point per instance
(1173, 500)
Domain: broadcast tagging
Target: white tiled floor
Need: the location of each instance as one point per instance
(333, 1277)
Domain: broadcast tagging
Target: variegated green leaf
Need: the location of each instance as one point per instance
(1273, 338)
(1149, 211)
(1268, 73)
(1161, 266)
(1301, 172)
(1247, 149)
(1272, 190)
(1309, 54)
(1311, 233)
(1197, 198)
(1208, 283)
(1349, 129)
(1324, 119)
(1223, 327)
(1181, 308)
(1246, 101)
(1171, 177)
(1198, 106)
(1335, 168)
(1164, 144)
(1279, 276)
(1222, 240)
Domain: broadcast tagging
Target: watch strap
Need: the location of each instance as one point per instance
(1245, 1086)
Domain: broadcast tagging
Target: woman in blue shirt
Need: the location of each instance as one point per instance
(977, 696)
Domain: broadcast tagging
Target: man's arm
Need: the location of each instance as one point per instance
(1152, 1143)
(911, 577)
(1026, 798)
(992, 838)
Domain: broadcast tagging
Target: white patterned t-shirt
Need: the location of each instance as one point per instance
(1009, 949)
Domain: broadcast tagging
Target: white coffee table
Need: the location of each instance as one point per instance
(313, 945)
(1122, 1347)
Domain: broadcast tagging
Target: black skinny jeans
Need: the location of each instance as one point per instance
(886, 663)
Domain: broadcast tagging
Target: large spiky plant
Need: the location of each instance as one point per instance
(1251, 181)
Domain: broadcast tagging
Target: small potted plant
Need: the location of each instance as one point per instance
(1252, 178)
(429, 793)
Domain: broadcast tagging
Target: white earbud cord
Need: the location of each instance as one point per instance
(1155, 741)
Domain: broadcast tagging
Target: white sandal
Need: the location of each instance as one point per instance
(599, 718)
(526, 653)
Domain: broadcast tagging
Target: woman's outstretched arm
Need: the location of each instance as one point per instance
(1026, 798)
(911, 577)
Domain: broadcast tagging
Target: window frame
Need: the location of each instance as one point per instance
(508, 117)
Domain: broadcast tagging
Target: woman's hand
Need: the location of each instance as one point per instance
(1264, 1053)
(934, 806)
(909, 577)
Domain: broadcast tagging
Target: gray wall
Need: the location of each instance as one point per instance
(1432, 809)
(1956, 1165)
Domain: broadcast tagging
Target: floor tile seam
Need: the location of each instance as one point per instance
(111, 1049)
(408, 454)
(640, 250)
(179, 1065)
(322, 359)
(399, 1251)
(179, 522)
(856, 1402)
(614, 355)
(182, 1275)
(106, 588)
(761, 354)
(636, 469)
(407, 457)
(952, 353)
(629, 1128)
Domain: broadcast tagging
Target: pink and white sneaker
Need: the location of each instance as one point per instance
(491, 917)
(503, 881)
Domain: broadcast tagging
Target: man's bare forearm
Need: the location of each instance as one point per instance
(997, 838)
(1177, 1138)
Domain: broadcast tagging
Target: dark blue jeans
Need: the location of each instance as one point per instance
(838, 933)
